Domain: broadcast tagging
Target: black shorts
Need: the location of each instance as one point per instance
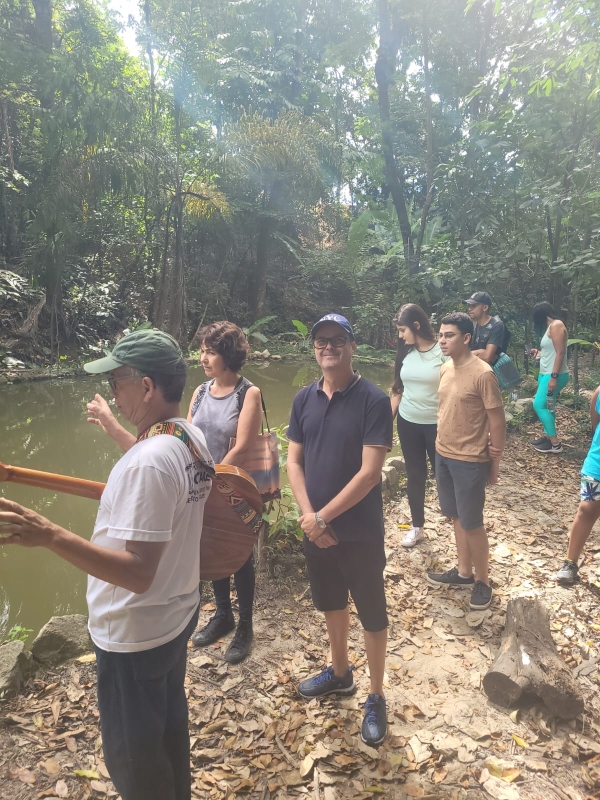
(461, 489)
(349, 567)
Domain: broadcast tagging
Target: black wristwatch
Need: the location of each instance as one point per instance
(554, 374)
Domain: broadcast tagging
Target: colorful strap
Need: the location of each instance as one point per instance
(242, 508)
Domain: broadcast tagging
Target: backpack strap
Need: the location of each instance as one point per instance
(242, 508)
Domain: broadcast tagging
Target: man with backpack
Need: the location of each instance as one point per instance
(490, 336)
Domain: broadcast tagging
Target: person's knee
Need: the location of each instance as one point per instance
(539, 404)
(589, 510)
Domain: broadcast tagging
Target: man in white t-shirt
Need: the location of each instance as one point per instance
(143, 563)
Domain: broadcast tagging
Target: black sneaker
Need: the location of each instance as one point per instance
(547, 447)
(240, 644)
(450, 578)
(568, 573)
(481, 596)
(327, 682)
(374, 725)
(541, 440)
(220, 625)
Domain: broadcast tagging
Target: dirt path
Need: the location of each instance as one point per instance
(252, 735)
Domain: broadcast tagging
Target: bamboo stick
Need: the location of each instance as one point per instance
(48, 480)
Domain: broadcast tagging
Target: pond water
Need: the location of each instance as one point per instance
(44, 427)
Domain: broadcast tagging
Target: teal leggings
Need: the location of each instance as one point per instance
(548, 418)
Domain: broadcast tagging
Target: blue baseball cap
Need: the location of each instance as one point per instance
(342, 321)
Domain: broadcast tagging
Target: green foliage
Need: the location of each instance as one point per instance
(253, 331)
(300, 327)
(18, 633)
(234, 167)
(283, 522)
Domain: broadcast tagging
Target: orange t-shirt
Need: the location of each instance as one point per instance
(465, 394)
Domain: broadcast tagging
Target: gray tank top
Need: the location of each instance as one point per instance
(547, 356)
(217, 417)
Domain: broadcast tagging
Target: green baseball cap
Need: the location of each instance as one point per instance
(148, 351)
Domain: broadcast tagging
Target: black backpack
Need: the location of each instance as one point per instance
(507, 334)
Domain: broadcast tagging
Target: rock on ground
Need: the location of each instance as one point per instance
(61, 639)
(16, 666)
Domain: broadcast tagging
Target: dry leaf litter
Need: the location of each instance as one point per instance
(253, 736)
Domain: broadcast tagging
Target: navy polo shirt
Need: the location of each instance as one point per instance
(333, 434)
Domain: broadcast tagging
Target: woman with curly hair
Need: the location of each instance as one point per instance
(227, 406)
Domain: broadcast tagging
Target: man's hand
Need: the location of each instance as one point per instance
(100, 414)
(495, 453)
(322, 537)
(19, 525)
(494, 473)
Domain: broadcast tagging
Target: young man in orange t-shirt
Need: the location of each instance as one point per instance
(470, 439)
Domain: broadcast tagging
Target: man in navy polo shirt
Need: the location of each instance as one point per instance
(340, 431)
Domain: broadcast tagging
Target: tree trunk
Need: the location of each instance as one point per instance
(160, 299)
(259, 284)
(177, 312)
(384, 70)
(527, 663)
(575, 331)
(43, 39)
(429, 129)
(43, 24)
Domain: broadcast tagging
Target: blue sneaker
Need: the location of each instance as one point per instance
(327, 683)
(374, 727)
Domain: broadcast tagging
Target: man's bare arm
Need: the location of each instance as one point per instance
(133, 569)
(295, 471)
(369, 475)
(488, 355)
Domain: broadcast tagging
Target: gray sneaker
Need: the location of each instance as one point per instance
(568, 573)
(537, 442)
(481, 596)
(450, 578)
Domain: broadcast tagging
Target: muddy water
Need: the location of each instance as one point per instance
(43, 426)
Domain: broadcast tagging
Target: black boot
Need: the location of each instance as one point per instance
(220, 625)
(240, 644)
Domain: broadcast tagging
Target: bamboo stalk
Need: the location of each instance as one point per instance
(49, 480)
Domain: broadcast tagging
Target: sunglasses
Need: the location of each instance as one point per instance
(336, 341)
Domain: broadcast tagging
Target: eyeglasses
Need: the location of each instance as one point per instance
(447, 335)
(113, 380)
(336, 341)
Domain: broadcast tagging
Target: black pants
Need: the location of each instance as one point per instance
(417, 442)
(144, 720)
(244, 580)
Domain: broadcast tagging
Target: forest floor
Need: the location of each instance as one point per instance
(252, 735)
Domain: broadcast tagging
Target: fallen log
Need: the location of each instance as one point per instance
(527, 663)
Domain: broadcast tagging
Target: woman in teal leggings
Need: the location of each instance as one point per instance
(554, 373)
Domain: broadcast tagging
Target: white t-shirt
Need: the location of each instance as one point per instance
(420, 375)
(155, 493)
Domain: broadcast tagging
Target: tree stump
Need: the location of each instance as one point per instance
(527, 663)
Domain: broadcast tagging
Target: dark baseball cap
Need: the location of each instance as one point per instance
(149, 351)
(342, 321)
(479, 297)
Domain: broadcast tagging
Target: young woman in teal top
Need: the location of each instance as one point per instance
(588, 512)
(554, 373)
(415, 402)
